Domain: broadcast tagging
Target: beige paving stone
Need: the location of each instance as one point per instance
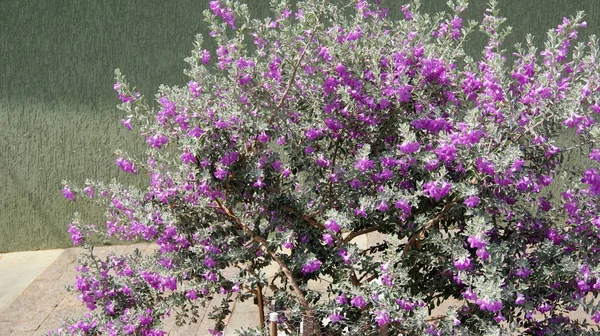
(104, 251)
(19, 269)
(246, 306)
(20, 333)
(38, 299)
(375, 238)
(65, 262)
(140, 246)
(69, 307)
(188, 329)
(241, 320)
(184, 330)
(319, 285)
(5, 328)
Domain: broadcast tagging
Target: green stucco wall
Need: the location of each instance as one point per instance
(57, 115)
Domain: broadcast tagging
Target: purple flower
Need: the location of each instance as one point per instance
(311, 266)
(544, 308)
(520, 299)
(259, 183)
(312, 133)
(360, 212)
(341, 299)
(551, 150)
(187, 157)
(323, 162)
(90, 191)
(409, 147)
(128, 329)
(485, 166)
(191, 294)
(595, 154)
(486, 304)
(358, 302)
(469, 295)
(462, 263)
(406, 305)
(328, 239)
(220, 173)
(476, 242)
(436, 189)
(229, 158)
(332, 225)
(483, 254)
(157, 140)
(125, 98)
(382, 318)
(127, 123)
(209, 262)
(523, 272)
(68, 193)
(471, 201)
(76, 235)
(355, 183)
(345, 255)
(336, 317)
(364, 164)
(263, 137)
(446, 153)
(210, 276)
(194, 88)
(382, 206)
(196, 132)
(126, 165)
(205, 56)
(408, 15)
(432, 164)
(333, 124)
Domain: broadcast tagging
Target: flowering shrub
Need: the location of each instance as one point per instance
(326, 127)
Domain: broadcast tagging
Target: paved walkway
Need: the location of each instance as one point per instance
(39, 302)
(33, 299)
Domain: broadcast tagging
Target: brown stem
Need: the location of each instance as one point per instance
(335, 151)
(416, 239)
(310, 220)
(354, 279)
(355, 234)
(261, 307)
(434, 318)
(291, 81)
(273, 255)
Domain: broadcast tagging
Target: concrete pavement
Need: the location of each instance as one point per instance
(33, 298)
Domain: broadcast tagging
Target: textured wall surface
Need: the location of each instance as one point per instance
(57, 115)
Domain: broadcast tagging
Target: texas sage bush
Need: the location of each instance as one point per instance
(310, 129)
